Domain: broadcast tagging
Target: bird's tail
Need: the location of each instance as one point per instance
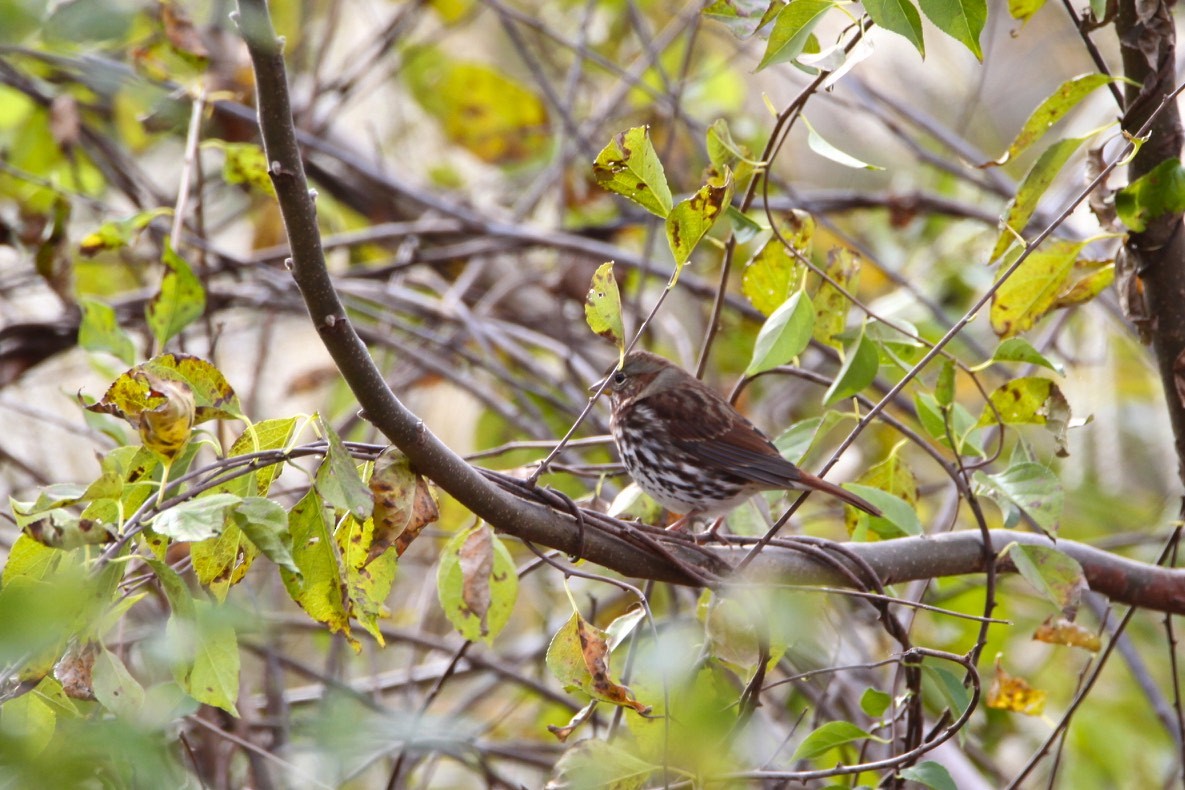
(819, 484)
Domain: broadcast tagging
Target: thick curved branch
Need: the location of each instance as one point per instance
(659, 556)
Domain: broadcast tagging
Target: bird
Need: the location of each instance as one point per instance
(690, 450)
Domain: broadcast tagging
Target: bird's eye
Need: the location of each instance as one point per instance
(619, 377)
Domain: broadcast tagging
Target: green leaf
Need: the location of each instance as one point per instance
(899, 519)
(180, 301)
(1033, 288)
(797, 440)
(117, 234)
(338, 479)
(930, 774)
(476, 583)
(1064, 98)
(875, 702)
(963, 425)
(602, 306)
(691, 219)
(1029, 486)
(900, 17)
(1053, 573)
(29, 726)
(213, 678)
(100, 331)
(944, 389)
(271, 434)
(858, 371)
(832, 304)
(830, 736)
(196, 519)
(1158, 192)
(962, 20)
(784, 335)
(828, 151)
(772, 274)
(245, 163)
(950, 686)
(593, 763)
(265, 523)
(629, 166)
(1017, 349)
(318, 589)
(792, 27)
(1020, 208)
(115, 688)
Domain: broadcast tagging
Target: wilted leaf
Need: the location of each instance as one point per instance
(476, 583)
(245, 163)
(629, 166)
(1033, 288)
(691, 219)
(131, 393)
(602, 306)
(403, 504)
(579, 657)
(1014, 694)
(1021, 208)
(831, 305)
(75, 668)
(772, 275)
(318, 589)
(1060, 631)
(167, 422)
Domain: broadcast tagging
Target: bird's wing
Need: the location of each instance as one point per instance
(739, 449)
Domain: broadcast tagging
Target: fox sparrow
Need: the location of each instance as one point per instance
(689, 449)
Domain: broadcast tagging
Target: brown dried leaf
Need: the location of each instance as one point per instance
(74, 671)
(181, 32)
(594, 645)
(1014, 694)
(1061, 631)
(403, 504)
